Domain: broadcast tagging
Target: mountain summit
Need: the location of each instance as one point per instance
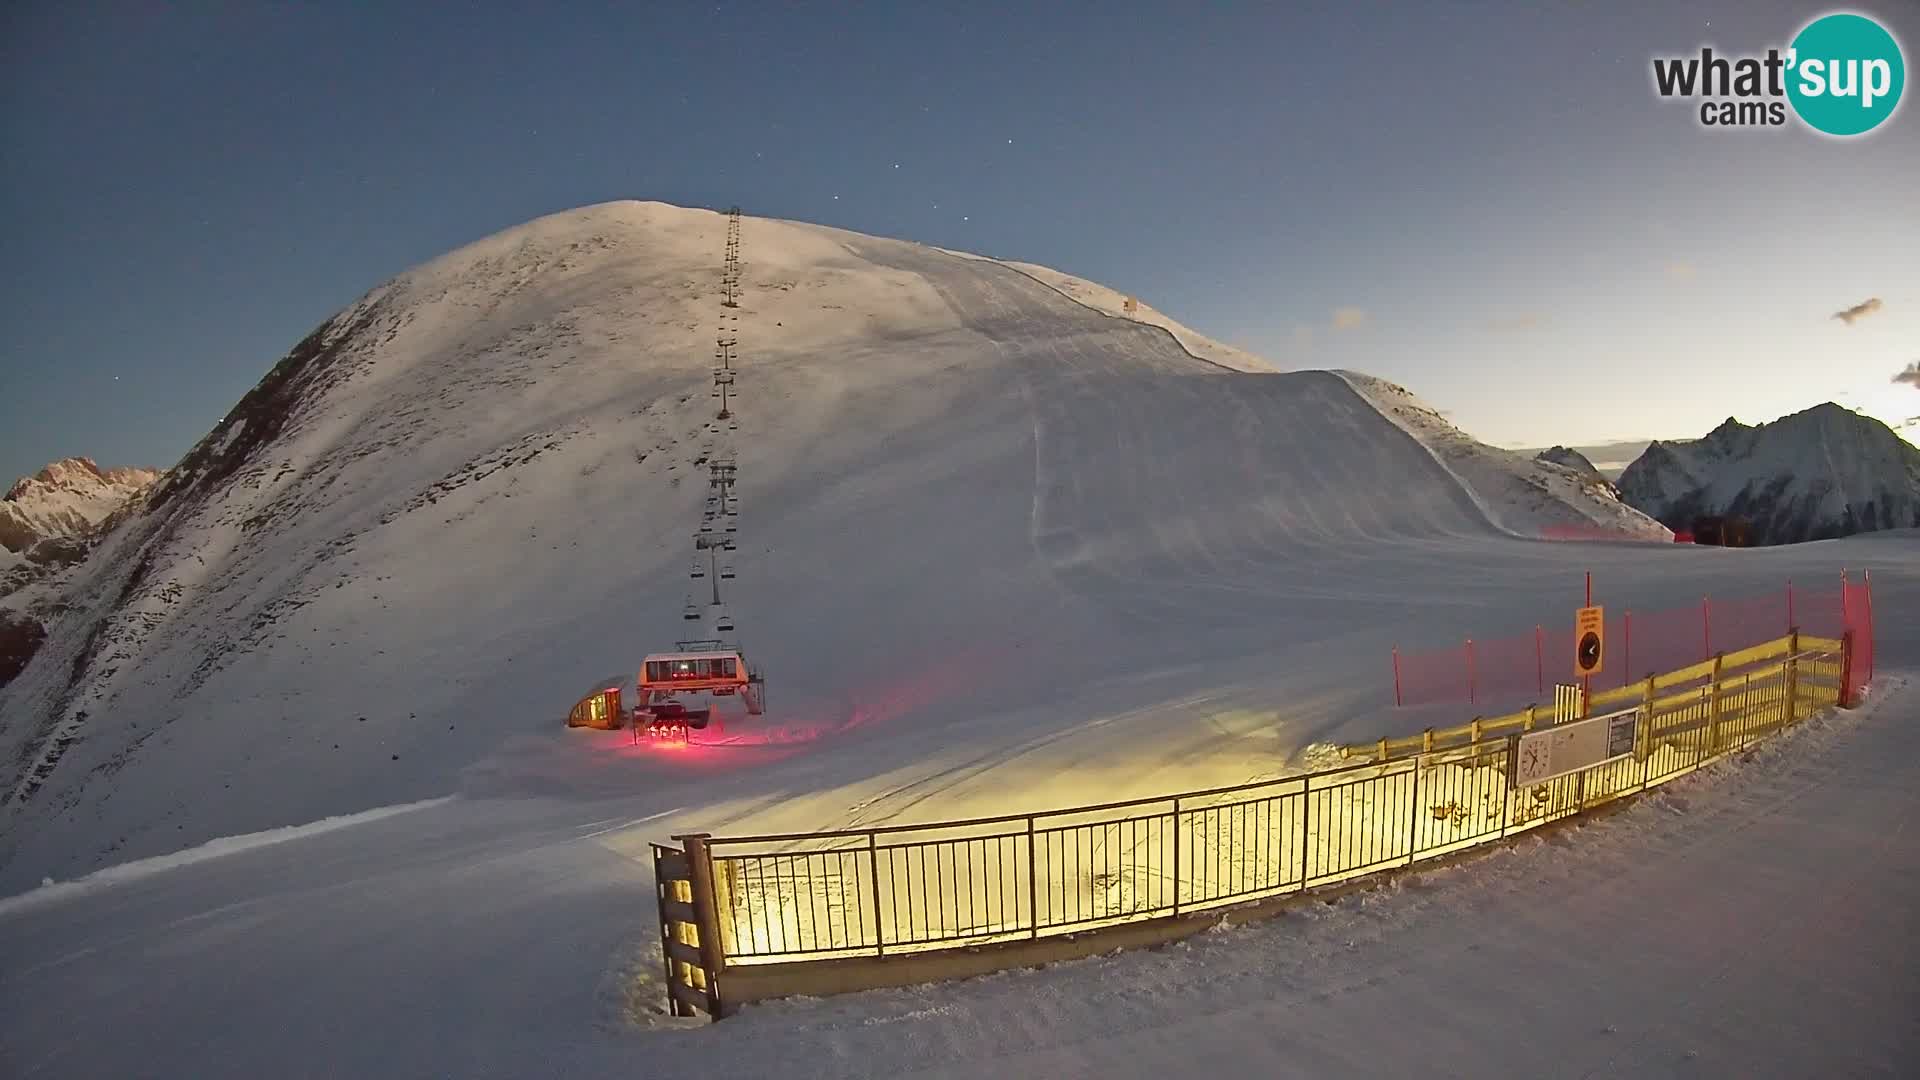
(1817, 474)
(67, 499)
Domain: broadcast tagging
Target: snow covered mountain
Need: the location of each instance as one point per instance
(1525, 496)
(68, 499)
(982, 505)
(48, 523)
(1568, 458)
(1572, 459)
(1817, 474)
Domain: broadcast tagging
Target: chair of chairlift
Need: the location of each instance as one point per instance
(692, 613)
(699, 569)
(725, 625)
(726, 571)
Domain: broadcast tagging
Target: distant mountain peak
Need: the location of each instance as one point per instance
(1819, 473)
(67, 499)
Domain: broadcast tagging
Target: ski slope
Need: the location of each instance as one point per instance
(979, 515)
(1751, 920)
(1000, 547)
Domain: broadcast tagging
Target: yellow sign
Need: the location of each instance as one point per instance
(1589, 641)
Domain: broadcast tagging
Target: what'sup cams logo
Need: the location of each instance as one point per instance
(1841, 75)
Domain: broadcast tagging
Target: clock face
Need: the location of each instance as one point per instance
(1589, 656)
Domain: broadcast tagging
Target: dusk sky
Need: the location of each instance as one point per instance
(1514, 225)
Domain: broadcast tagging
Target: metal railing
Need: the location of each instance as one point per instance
(914, 888)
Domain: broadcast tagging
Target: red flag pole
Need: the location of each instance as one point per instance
(1626, 665)
(1706, 625)
(1396, 676)
(1790, 623)
(1870, 650)
(1471, 698)
(1539, 660)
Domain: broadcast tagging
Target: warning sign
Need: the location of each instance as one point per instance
(1589, 641)
(1568, 748)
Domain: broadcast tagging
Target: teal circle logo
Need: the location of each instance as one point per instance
(1845, 74)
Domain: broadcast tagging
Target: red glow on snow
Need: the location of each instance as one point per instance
(734, 740)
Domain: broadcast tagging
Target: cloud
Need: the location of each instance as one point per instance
(1523, 321)
(1911, 376)
(1349, 318)
(1681, 271)
(1858, 311)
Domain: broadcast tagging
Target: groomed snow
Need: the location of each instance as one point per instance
(1750, 920)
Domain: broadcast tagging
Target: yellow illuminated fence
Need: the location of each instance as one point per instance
(902, 890)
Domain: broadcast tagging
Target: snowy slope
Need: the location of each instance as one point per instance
(1816, 474)
(1524, 495)
(986, 528)
(1751, 920)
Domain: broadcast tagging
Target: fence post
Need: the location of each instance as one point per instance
(1176, 854)
(1476, 735)
(1506, 789)
(1527, 724)
(712, 956)
(1713, 707)
(1846, 669)
(1413, 807)
(873, 872)
(1793, 675)
(1033, 875)
(1396, 676)
(661, 891)
(1381, 754)
(1306, 822)
(1426, 741)
(1646, 702)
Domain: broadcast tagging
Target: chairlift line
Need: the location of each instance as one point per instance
(708, 665)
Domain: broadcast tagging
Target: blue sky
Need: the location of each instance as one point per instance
(1526, 236)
